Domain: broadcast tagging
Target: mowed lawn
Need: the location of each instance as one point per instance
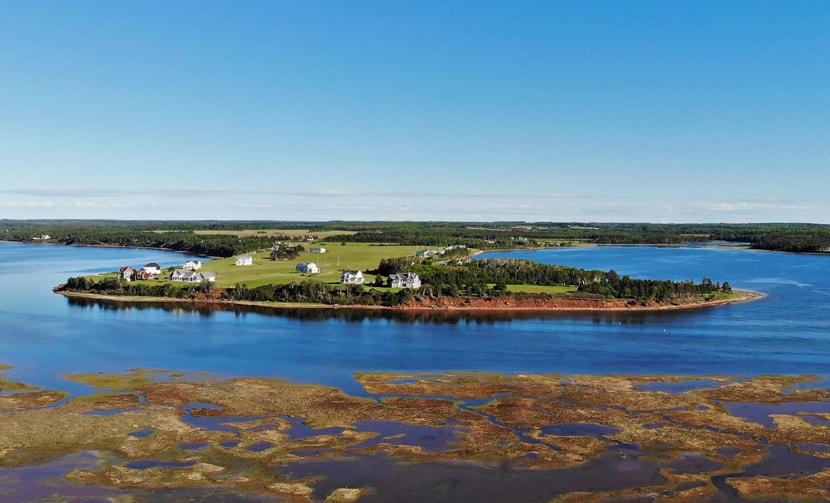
(541, 289)
(338, 257)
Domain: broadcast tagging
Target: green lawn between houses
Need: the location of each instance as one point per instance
(263, 271)
(338, 257)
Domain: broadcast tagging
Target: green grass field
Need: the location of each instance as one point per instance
(338, 257)
(540, 289)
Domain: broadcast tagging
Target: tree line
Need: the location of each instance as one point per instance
(308, 291)
(493, 276)
(181, 235)
(212, 245)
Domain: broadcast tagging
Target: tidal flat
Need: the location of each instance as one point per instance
(420, 437)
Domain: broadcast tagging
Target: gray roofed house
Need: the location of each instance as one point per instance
(188, 276)
(404, 280)
(206, 276)
(184, 275)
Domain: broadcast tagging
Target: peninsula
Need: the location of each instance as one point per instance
(299, 268)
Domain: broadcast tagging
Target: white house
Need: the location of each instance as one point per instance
(206, 276)
(404, 280)
(184, 275)
(308, 267)
(152, 268)
(244, 260)
(352, 278)
(318, 250)
(193, 265)
(188, 276)
(127, 272)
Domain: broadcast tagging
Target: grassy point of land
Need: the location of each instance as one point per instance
(338, 257)
(12, 386)
(461, 287)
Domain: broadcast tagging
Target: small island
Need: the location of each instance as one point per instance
(327, 272)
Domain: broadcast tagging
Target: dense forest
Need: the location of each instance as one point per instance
(195, 237)
(492, 277)
(212, 245)
(779, 237)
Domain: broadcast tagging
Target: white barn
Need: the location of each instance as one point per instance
(244, 260)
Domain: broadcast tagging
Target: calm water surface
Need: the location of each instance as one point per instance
(45, 336)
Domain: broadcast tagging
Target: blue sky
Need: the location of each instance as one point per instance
(657, 111)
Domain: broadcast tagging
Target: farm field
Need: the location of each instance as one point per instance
(293, 233)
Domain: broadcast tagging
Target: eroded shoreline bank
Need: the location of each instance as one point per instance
(457, 304)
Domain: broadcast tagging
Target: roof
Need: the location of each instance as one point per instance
(403, 275)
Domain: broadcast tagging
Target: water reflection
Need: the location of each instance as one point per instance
(395, 482)
(45, 335)
(359, 315)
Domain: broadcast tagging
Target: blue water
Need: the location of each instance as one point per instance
(46, 336)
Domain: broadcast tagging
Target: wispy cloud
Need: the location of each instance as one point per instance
(756, 206)
(26, 204)
(198, 193)
(400, 205)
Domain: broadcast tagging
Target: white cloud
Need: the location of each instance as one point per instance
(345, 205)
(747, 206)
(27, 204)
(197, 193)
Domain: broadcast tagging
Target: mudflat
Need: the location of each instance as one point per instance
(558, 437)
